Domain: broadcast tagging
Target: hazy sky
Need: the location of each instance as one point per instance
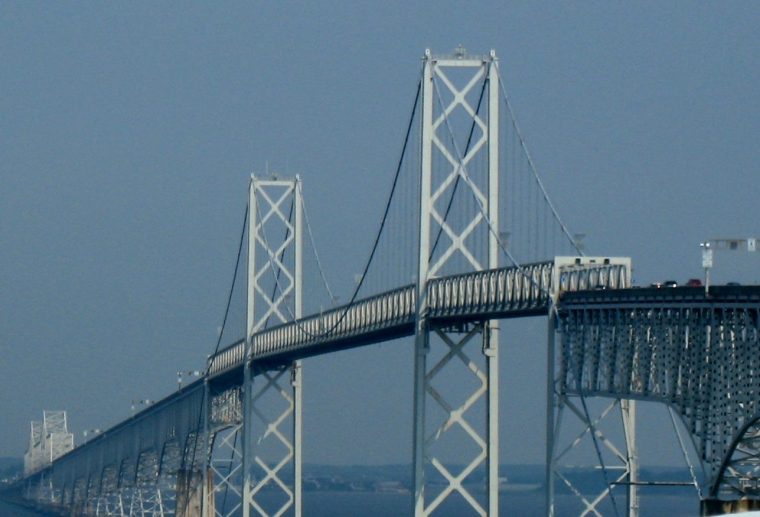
(128, 131)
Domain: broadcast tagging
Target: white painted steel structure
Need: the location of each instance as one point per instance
(166, 458)
(281, 299)
(48, 440)
(438, 138)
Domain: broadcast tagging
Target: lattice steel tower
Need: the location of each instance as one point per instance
(454, 136)
(274, 295)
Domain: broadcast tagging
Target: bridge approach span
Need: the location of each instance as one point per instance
(697, 353)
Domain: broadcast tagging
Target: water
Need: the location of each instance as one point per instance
(11, 510)
(529, 504)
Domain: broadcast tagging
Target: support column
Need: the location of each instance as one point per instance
(628, 411)
(296, 381)
(247, 431)
(422, 338)
(491, 346)
(421, 348)
(207, 492)
(550, 412)
(617, 465)
(297, 368)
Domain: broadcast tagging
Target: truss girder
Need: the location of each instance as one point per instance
(700, 358)
(494, 293)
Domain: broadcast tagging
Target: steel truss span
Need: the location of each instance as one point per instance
(696, 353)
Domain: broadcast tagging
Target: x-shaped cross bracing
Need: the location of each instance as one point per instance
(591, 430)
(273, 265)
(272, 429)
(230, 443)
(456, 416)
(458, 164)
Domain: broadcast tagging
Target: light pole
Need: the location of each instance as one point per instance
(90, 431)
(141, 402)
(707, 262)
(186, 373)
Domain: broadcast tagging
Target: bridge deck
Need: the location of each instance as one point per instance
(493, 294)
(683, 296)
(696, 352)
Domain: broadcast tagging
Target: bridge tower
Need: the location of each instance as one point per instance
(457, 133)
(255, 465)
(274, 295)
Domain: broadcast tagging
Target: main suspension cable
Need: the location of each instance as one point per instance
(377, 236)
(232, 287)
(483, 212)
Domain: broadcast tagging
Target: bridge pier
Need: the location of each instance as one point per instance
(190, 489)
(618, 465)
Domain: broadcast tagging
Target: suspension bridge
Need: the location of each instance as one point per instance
(469, 236)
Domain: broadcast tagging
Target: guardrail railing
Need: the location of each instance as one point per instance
(496, 291)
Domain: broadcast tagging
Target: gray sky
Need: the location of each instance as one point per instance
(128, 131)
